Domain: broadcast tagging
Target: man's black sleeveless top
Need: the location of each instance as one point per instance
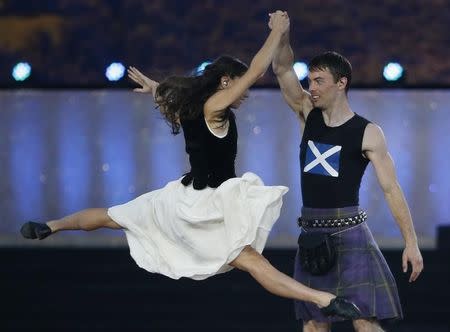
(211, 158)
(331, 161)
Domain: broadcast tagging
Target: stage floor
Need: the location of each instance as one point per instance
(103, 290)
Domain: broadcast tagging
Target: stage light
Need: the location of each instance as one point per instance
(115, 71)
(202, 67)
(393, 71)
(301, 69)
(21, 71)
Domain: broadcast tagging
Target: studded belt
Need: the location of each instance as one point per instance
(358, 218)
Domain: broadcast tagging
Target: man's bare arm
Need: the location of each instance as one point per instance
(375, 148)
(298, 99)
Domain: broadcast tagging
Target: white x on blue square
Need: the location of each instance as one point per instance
(322, 159)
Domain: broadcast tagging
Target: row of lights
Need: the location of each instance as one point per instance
(114, 72)
(392, 72)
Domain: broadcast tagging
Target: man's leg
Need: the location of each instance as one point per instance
(367, 325)
(313, 326)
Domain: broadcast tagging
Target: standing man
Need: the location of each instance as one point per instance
(337, 252)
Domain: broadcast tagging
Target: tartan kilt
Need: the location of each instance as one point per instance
(361, 275)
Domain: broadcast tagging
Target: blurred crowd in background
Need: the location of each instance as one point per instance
(71, 42)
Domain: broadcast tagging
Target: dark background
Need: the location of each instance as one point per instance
(69, 43)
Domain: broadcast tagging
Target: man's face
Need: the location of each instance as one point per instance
(323, 88)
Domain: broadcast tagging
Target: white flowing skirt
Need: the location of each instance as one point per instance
(179, 232)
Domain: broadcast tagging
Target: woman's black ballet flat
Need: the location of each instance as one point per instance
(342, 308)
(34, 230)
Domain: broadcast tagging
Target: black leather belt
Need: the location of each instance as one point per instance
(336, 222)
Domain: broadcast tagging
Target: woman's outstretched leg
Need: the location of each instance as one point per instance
(280, 284)
(86, 220)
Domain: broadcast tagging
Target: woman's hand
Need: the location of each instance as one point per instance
(147, 85)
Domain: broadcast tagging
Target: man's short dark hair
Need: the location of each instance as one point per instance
(337, 64)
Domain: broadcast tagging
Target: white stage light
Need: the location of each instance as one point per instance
(21, 71)
(115, 71)
(301, 69)
(393, 71)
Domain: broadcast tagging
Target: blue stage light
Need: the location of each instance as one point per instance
(115, 71)
(393, 71)
(202, 67)
(21, 71)
(301, 69)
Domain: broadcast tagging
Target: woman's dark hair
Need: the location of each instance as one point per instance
(182, 97)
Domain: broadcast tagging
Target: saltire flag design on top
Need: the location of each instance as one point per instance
(322, 159)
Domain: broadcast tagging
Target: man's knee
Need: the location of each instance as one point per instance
(313, 326)
(367, 325)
